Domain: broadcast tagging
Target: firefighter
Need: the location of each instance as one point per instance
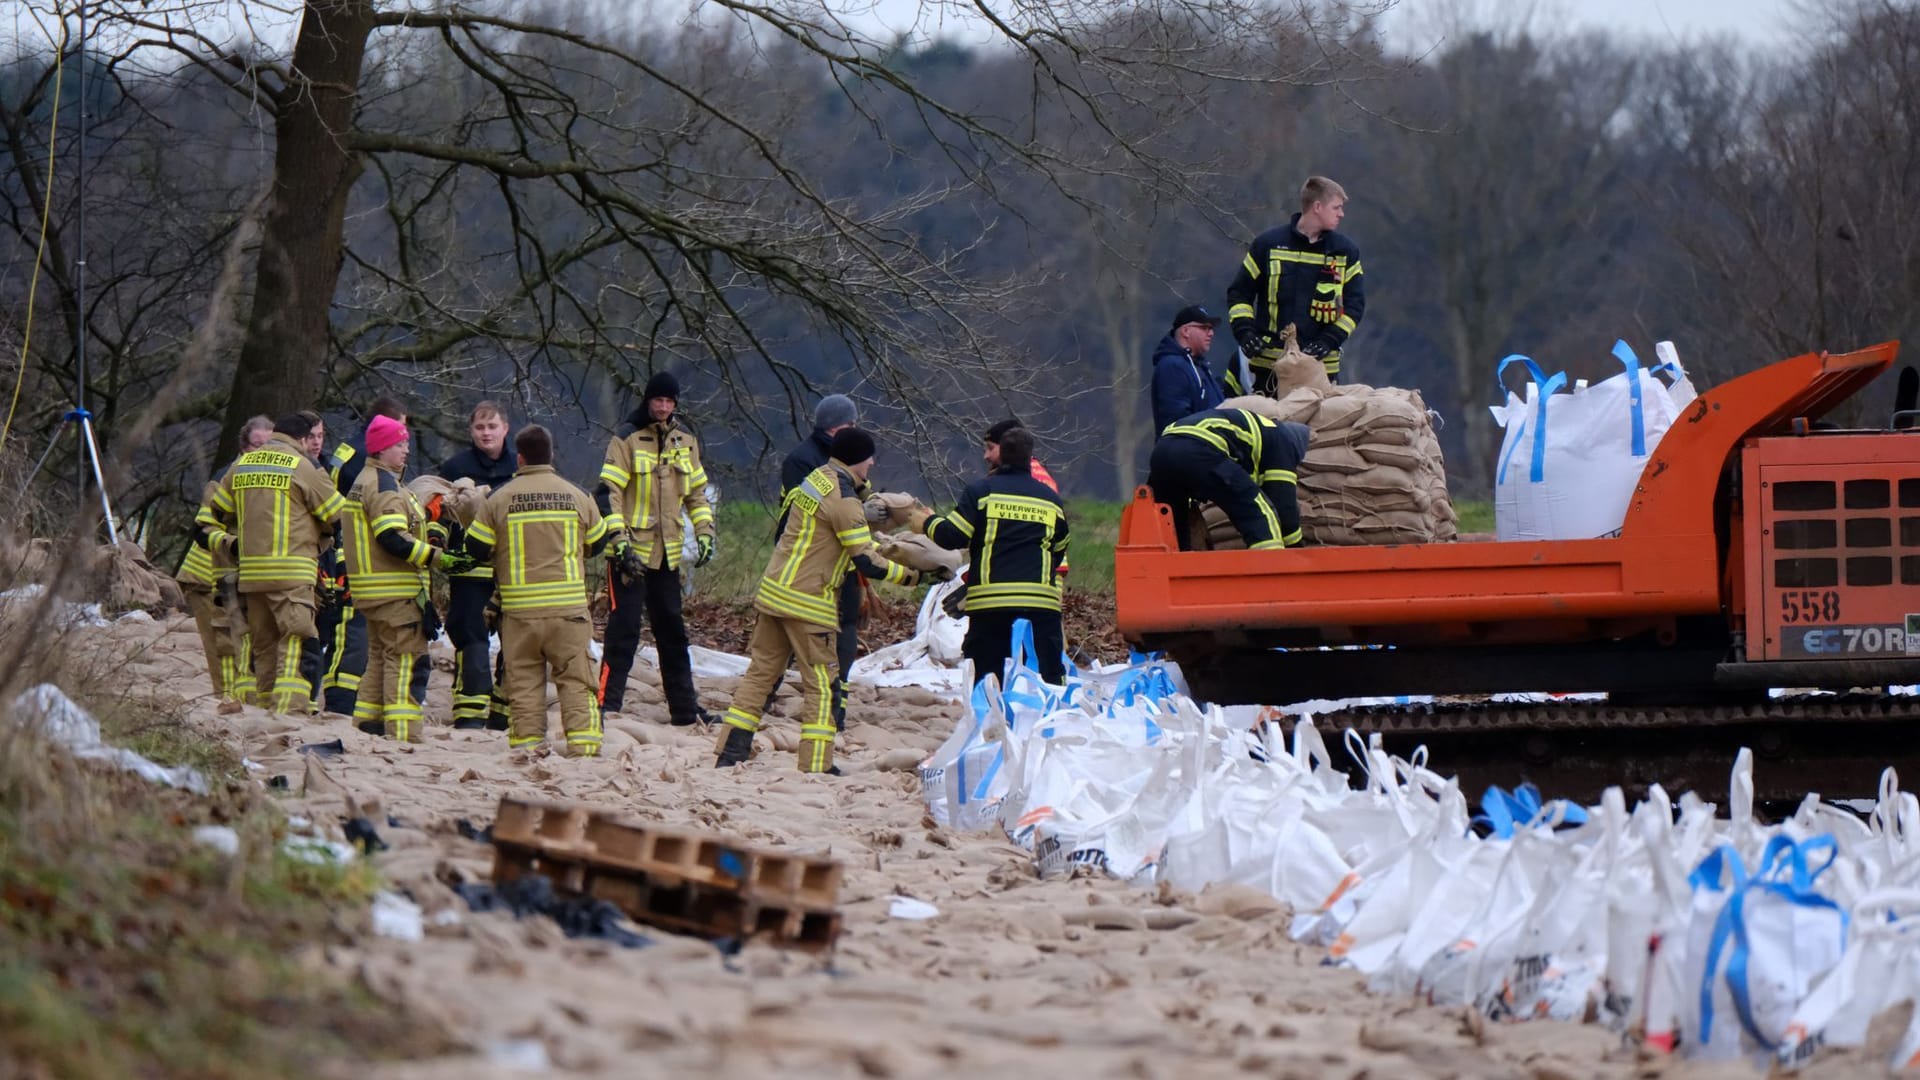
(487, 463)
(651, 473)
(537, 530)
(955, 602)
(834, 414)
(796, 603)
(343, 628)
(387, 567)
(1014, 529)
(207, 581)
(1302, 273)
(1241, 462)
(274, 509)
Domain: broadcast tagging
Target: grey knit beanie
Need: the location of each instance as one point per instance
(833, 411)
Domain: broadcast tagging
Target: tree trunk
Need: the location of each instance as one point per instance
(282, 360)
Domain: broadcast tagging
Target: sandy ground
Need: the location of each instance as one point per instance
(1016, 977)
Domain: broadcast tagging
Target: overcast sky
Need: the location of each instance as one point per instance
(1419, 24)
(1763, 23)
(1411, 25)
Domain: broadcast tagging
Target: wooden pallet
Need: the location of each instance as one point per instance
(676, 879)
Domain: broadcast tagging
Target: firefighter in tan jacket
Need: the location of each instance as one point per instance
(825, 534)
(271, 510)
(652, 471)
(388, 564)
(206, 579)
(537, 530)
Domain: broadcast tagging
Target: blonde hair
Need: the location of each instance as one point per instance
(1319, 189)
(486, 408)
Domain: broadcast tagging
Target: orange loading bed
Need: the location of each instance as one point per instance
(1721, 580)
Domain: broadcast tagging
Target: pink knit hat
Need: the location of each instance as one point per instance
(383, 433)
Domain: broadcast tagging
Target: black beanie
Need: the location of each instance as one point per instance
(851, 446)
(993, 433)
(663, 384)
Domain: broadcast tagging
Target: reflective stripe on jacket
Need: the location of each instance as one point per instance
(538, 529)
(274, 502)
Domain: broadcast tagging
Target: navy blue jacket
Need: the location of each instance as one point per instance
(471, 464)
(1182, 384)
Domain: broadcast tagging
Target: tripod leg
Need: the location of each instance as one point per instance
(92, 450)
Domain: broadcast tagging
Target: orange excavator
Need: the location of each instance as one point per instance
(1763, 591)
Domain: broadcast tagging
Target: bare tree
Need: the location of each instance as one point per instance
(1505, 201)
(657, 213)
(1801, 179)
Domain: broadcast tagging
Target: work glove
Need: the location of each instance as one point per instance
(941, 574)
(491, 614)
(705, 544)
(877, 512)
(955, 603)
(326, 593)
(626, 560)
(454, 562)
(1318, 348)
(1250, 339)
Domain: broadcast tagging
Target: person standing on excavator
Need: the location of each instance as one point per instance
(1183, 384)
(1303, 274)
(1242, 462)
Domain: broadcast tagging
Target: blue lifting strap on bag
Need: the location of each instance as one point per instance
(1782, 854)
(1537, 470)
(1625, 354)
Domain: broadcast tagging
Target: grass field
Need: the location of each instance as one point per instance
(746, 541)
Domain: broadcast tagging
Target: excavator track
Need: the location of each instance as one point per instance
(1836, 745)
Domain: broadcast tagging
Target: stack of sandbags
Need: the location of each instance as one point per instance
(1373, 473)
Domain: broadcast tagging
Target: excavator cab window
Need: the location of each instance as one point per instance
(1906, 400)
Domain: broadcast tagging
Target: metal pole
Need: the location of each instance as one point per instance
(80, 280)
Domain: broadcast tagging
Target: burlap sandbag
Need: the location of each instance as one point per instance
(1294, 368)
(919, 552)
(127, 580)
(1338, 411)
(1404, 458)
(1335, 459)
(892, 509)
(462, 498)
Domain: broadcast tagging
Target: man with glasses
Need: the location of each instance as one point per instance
(1182, 382)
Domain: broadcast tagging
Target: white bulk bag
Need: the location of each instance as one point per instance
(1571, 458)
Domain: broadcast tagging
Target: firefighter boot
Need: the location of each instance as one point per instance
(735, 747)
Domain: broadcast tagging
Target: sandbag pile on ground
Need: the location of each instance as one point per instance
(1373, 474)
(119, 578)
(1720, 937)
